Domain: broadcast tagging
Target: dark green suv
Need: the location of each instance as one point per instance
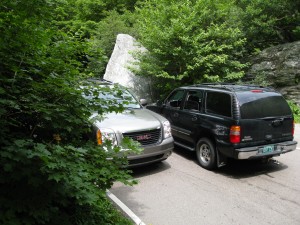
(221, 121)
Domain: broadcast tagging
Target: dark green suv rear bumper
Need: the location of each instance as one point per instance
(265, 150)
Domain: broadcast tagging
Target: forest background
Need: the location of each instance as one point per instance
(49, 174)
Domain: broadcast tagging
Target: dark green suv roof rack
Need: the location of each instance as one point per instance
(232, 86)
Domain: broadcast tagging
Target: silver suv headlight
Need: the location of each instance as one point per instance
(167, 129)
(105, 134)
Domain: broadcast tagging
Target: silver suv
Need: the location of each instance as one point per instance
(150, 129)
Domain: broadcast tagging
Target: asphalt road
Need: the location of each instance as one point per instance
(179, 192)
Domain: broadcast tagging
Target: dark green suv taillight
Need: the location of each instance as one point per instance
(235, 134)
(293, 129)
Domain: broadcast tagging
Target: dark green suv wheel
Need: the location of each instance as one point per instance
(206, 154)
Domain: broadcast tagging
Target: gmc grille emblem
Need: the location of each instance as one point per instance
(143, 137)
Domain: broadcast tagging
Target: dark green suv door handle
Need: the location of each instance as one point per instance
(194, 118)
(175, 114)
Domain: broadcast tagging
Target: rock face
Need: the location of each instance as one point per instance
(118, 71)
(280, 65)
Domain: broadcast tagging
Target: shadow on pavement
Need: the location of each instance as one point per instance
(150, 169)
(238, 169)
(188, 155)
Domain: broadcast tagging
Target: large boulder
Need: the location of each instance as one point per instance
(280, 65)
(118, 67)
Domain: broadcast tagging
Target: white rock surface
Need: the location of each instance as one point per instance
(118, 71)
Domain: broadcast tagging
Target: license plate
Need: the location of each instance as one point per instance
(267, 149)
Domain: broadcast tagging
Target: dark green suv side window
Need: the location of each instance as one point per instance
(218, 103)
(193, 100)
(174, 100)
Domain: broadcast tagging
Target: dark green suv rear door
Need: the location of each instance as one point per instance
(265, 118)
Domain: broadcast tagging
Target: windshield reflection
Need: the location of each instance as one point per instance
(120, 96)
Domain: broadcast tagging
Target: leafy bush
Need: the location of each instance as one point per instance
(54, 184)
(197, 41)
(192, 42)
(296, 111)
(50, 173)
(268, 23)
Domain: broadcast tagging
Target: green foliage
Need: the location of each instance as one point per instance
(208, 41)
(97, 22)
(49, 172)
(191, 42)
(267, 23)
(296, 111)
(105, 38)
(53, 184)
(96, 10)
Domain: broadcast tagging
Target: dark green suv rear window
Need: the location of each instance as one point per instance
(254, 105)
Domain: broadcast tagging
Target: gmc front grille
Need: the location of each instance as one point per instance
(148, 137)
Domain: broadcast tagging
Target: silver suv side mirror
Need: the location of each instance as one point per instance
(143, 102)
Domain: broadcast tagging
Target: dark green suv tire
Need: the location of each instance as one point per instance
(206, 154)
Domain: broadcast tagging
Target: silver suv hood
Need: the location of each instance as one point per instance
(131, 121)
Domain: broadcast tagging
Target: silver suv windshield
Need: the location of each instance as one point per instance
(125, 98)
(109, 93)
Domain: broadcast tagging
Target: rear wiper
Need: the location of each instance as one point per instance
(269, 118)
